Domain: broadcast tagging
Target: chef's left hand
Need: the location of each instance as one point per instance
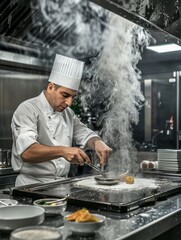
(103, 151)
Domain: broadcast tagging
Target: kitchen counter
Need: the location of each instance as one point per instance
(144, 223)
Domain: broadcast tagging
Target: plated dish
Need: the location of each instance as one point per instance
(82, 222)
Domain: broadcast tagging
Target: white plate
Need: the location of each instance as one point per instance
(36, 233)
(20, 216)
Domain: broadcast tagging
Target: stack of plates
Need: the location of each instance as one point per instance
(169, 160)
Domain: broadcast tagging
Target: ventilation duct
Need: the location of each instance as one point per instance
(151, 14)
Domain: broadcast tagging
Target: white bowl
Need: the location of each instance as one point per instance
(8, 202)
(52, 210)
(20, 216)
(36, 233)
(82, 228)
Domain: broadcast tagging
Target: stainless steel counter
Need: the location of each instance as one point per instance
(146, 223)
(7, 177)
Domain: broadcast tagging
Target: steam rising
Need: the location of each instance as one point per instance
(70, 27)
(114, 91)
(111, 87)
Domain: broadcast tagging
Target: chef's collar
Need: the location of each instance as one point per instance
(46, 105)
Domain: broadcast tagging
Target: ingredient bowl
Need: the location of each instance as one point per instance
(52, 206)
(85, 228)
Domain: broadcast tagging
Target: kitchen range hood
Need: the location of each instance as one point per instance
(21, 18)
(16, 19)
(151, 14)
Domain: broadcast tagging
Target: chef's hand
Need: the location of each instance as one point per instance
(102, 150)
(75, 155)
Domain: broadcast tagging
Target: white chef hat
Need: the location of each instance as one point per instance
(66, 72)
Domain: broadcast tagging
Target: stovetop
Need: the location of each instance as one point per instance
(112, 199)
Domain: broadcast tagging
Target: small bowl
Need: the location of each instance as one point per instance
(13, 217)
(85, 228)
(36, 233)
(8, 202)
(49, 209)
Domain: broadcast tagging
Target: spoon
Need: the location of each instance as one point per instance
(5, 204)
(57, 200)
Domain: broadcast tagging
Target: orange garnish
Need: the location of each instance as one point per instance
(82, 215)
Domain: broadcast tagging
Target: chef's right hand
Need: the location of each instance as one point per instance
(75, 155)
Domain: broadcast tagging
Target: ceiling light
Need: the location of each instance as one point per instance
(172, 80)
(165, 48)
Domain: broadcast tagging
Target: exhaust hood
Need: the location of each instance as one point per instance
(21, 18)
(16, 18)
(151, 14)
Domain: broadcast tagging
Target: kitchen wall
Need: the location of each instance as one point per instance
(16, 87)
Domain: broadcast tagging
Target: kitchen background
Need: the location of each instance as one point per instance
(28, 43)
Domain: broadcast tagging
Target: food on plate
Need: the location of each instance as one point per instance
(82, 215)
(129, 179)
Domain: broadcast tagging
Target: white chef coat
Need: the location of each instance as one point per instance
(35, 121)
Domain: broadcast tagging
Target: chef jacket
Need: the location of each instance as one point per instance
(35, 121)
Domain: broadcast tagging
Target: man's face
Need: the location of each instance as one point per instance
(59, 97)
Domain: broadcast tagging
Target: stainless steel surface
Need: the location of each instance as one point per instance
(117, 198)
(16, 59)
(147, 14)
(7, 177)
(13, 90)
(161, 219)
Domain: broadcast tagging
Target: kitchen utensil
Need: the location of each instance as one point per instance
(97, 169)
(58, 200)
(57, 207)
(84, 228)
(110, 180)
(12, 217)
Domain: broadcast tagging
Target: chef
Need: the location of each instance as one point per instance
(44, 128)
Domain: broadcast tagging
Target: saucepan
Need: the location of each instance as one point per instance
(110, 179)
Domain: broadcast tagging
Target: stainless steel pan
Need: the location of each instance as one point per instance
(109, 180)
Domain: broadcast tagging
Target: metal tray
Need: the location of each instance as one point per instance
(122, 201)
